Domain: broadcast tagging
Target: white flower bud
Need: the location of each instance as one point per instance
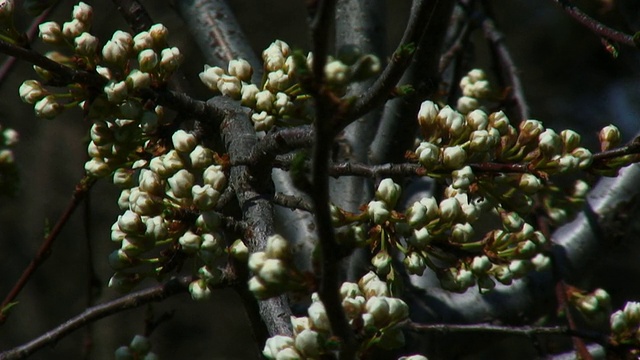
(480, 265)
(467, 104)
(273, 272)
(262, 121)
(275, 55)
(248, 94)
(115, 52)
(308, 343)
(190, 242)
(282, 104)
(299, 324)
(208, 221)
(156, 228)
(181, 183)
(570, 140)
(10, 137)
(277, 247)
(172, 162)
(201, 157)
(214, 176)
(123, 199)
(462, 233)
(580, 189)
(277, 81)
(210, 76)
(124, 39)
(427, 114)
(116, 91)
(382, 262)
(276, 344)
(97, 167)
(371, 285)
(123, 178)
(550, 143)
(378, 212)
(170, 59)
(31, 91)
(450, 209)
(183, 141)
(618, 322)
(609, 137)
(159, 34)
(50, 32)
(379, 309)
(420, 237)
(143, 203)
(142, 41)
(541, 262)
(148, 60)
(264, 100)
(398, 310)
(229, 86)
(451, 120)
(239, 250)
(131, 223)
(465, 279)
(205, 197)
(519, 268)
(138, 80)
(257, 260)
(529, 183)
(512, 221)
(124, 282)
(478, 120)
(86, 44)
(499, 121)
(74, 28)
(389, 192)
(413, 357)
(241, 69)
(428, 154)
(83, 13)
(199, 290)
(150, 182)
(632, 312)
(415, 263)
(462, 178)
(318, 317)
(47, 107)
(416, 215)
(336, 73)
(453, 157)
(480, 141)
(584, 156)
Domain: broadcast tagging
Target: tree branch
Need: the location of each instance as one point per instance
(90, 315)
(80, 192)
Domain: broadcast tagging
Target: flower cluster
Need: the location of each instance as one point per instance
(169, 200)
(273, 269)
(280, 96)
(139, 348)
(372, 313)
(625, 325)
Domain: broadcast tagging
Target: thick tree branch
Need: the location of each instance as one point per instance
(90, 315)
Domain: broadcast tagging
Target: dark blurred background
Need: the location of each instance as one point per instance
(569, 81)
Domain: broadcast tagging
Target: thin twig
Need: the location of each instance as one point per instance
(594, 25)
(81, 190)
(292, 202)
(134, 14)
(528, 331)
(90, 315)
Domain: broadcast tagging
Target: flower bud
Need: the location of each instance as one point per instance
(74, 28)
(159, 34)
(172, 162)
(478, 120)
(275, 55)
(205, 197)
(241, 69)
(530, 184)
(462, 178)
(51, 33)
(427, 115)
(570, 140)
(131, 223)
(32, 91)
(143, 203)
(428, 154)
(277, 247)
(214, 176)
(308, 343)
(467, 104)
(97, 167)
(398, 310)
(124, 282)
(262, 121)
(142, 41)
(451, 120)
(210, 76)
(609, 137)
(550, 143)
(199, 290)
(276, 344)
(618, 322)
(318, 317)
(140, 344)
(83, 13)
(6, 10)
(389, 192)
(382, 262)
(378, 307)
(190, 242)
(415, 263)
(248, 94)
(264, 100)
(336, 73)
(371, 285)
(148, 60)
(282, 105)
(181, 183)
(462, 233)
(115, 53)
(450, 209)
(229, 86)
(500, 122)
(86, 44)
(138, 80)
(378, 212)
(170, 59)
(116, 91)
(277, 81)
(453, 157)
(239, 250)
(421, 237)
(480, 141)
(584, 156)
(183, 141)
(47, 107)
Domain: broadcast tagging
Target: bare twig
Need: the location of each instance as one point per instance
(292, 202)
(90, 315)
(594, 25)
(134, 14)
(81, 190)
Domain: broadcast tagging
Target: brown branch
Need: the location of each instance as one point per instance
(528, 331)
(92, 314)
(594, 25)
(134, 14)
(82, 189)
(292, 202)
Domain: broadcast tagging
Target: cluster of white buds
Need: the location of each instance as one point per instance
(474, 85)
(273, 270)
(371, 311)
(625, 324)
(139, 348)
(155, 193)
